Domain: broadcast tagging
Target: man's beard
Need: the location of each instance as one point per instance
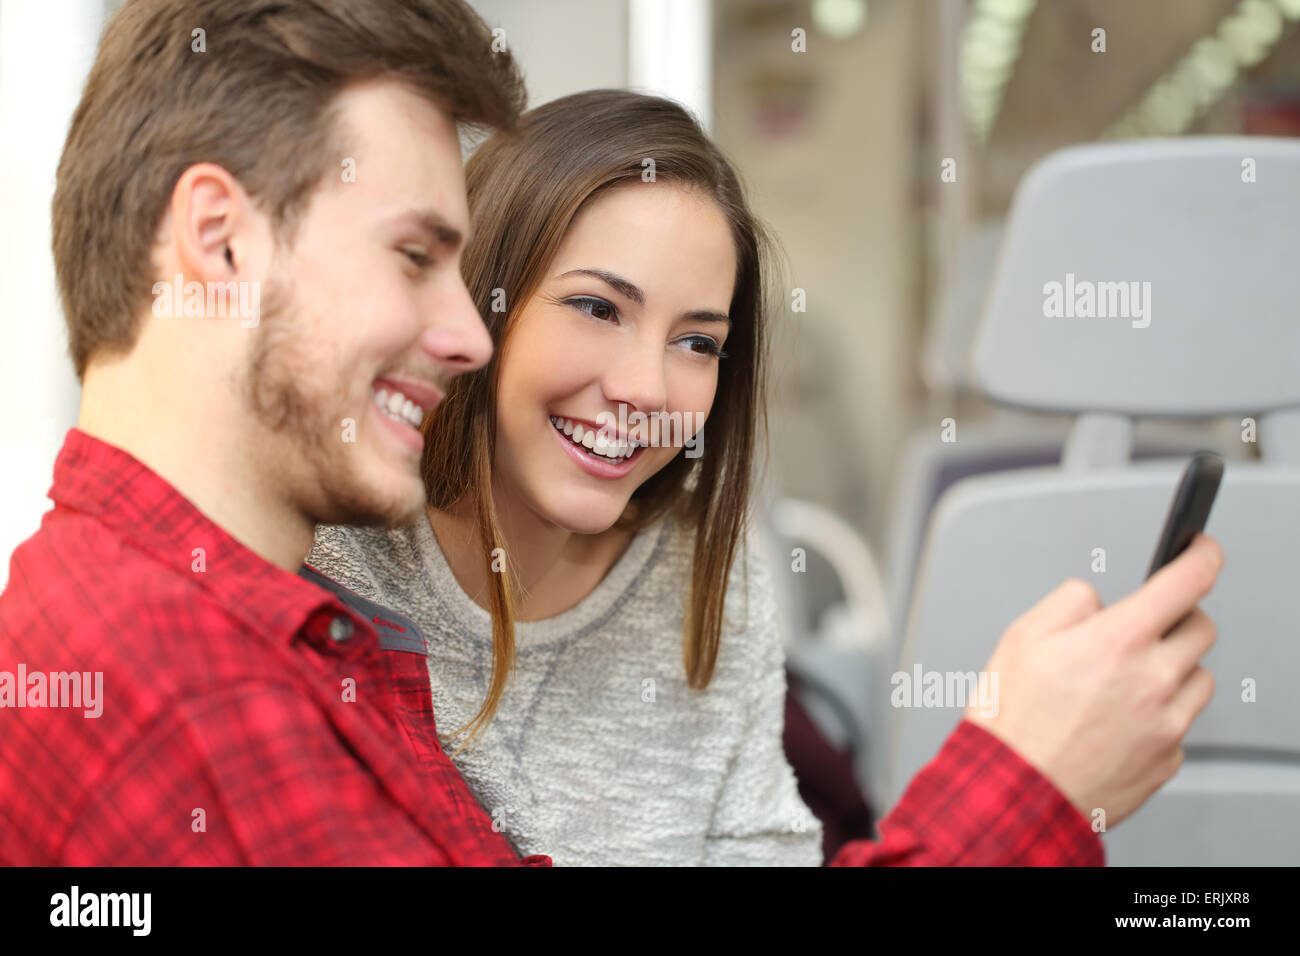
(304, 415)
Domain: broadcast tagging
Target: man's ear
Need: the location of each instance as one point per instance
(212, 220)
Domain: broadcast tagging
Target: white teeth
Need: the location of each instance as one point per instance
(588, 438)
(398, 407)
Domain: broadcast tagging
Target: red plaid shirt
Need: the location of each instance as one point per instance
(248, 716)
(978, 803)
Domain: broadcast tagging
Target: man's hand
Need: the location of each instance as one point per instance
(1094, 697)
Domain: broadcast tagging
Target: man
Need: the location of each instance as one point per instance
(257, 231)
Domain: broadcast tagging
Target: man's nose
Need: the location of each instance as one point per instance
(456, 337)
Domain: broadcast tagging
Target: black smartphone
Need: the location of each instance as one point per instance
(1190, 509)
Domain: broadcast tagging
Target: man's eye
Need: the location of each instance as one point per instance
(594, 307)
(419, 257)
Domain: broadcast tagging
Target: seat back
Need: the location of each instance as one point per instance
(1000, 542)
(1139, 279)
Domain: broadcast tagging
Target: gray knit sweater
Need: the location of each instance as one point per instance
(600, 754)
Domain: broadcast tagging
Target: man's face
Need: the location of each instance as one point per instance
(366, 317)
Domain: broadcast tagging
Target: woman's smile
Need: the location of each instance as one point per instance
(593, 452)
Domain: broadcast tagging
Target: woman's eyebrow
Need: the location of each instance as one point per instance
(707, 315)
(624, 287)
(629, 289)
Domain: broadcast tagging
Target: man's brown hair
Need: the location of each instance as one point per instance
(257, 101)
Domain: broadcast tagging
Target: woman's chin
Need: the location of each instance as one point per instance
(575, 525)
(593, 518)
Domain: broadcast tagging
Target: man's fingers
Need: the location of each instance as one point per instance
(1152, 611)
(1192, 698)
(1180, 653)
(1073, 601)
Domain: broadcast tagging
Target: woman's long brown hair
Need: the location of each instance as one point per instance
(524, 191)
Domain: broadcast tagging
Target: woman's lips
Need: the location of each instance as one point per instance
(609, 470)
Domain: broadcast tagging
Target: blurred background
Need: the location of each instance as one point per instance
(882, 142)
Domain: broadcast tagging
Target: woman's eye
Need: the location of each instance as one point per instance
(703, 345)
(596, 308)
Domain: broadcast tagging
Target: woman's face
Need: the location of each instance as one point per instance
(620, 342)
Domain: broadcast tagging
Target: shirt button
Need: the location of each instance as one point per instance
(340, 629)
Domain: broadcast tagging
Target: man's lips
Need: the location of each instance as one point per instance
(424, 395)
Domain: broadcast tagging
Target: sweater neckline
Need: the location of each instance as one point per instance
(591, 610)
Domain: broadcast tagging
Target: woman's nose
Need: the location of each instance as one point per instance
(636, 378)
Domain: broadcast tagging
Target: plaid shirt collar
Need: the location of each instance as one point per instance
(106, 483)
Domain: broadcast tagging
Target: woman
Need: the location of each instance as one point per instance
(603, 647)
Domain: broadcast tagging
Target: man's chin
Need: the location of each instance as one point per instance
(383, 502)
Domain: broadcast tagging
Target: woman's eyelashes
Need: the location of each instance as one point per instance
(595, 307)
(703, 345)
(605, 311)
